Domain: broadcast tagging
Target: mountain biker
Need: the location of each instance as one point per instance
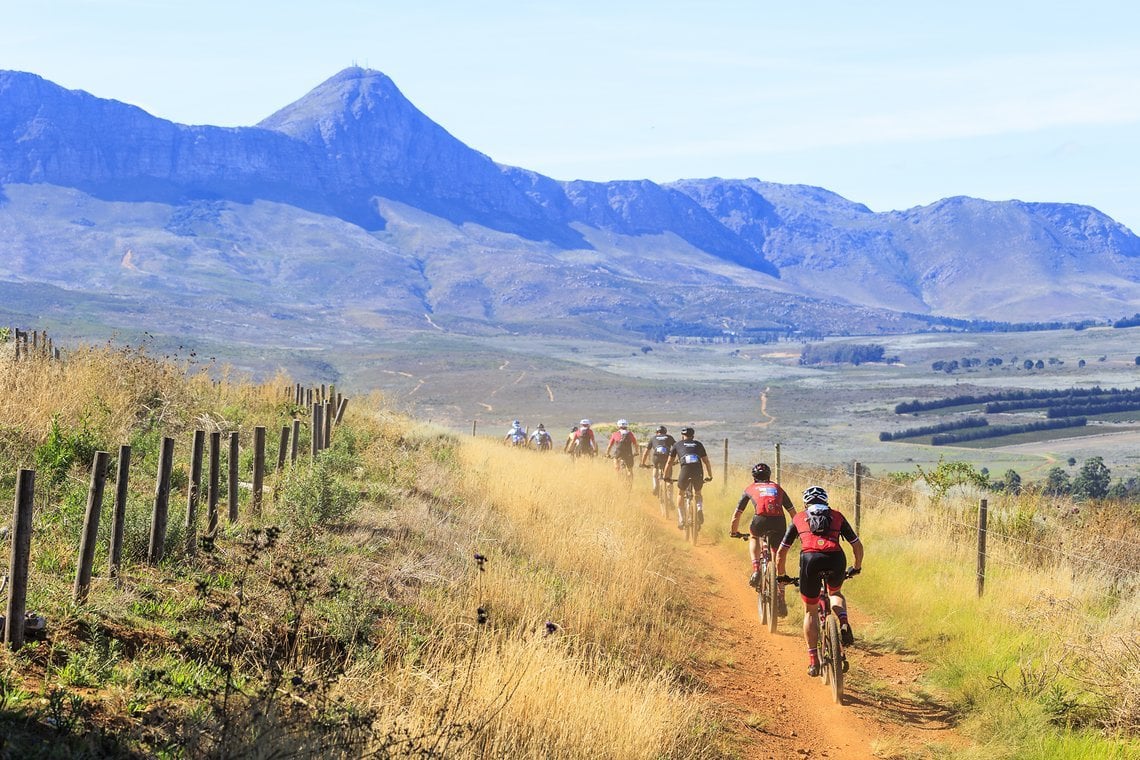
(623, 446)
(568, 447)
(516, 436)
(584, 444)
(691, 456)
(541, 439)
(659, 445)
(819, 528)
(769, 502)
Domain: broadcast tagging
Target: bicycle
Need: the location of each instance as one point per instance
(625, 470)
(832, 661)
(689, 511)
(768, 590)
(663, 488)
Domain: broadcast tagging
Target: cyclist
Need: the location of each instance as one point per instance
(769, 502)
(691, 456)
(541, 439)
(516, 436)
(819, 528)
(623, 447)
(659, 445)
(584, 444)
(568, 447)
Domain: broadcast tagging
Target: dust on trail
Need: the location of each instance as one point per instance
(759, 683)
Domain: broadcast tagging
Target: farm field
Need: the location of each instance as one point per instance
(759, 395)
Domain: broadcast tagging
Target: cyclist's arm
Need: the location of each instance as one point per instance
(739, 511)
(856, 545)
(790, 537)
(708, 467)
(789, 507)
(669, 464)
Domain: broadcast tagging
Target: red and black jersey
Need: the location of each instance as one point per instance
(827, 542)
(767, 499)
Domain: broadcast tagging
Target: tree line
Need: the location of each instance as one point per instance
(995, 431)
(945, 427)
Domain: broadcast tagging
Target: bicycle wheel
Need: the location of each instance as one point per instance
(662, 494)
(765, 612)
(834, 665)
(692, 519)
(771, 591)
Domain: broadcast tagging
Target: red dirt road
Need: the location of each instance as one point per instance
(760, 680)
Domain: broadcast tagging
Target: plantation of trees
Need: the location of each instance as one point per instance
(945, 427)
(995, 431)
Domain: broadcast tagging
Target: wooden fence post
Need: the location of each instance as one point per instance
(724, 479)
(193, 491)
(90, 534)
(294, 444)
(213, 484)
(858, 496)
(232, 480)
(341, 405)
(473, 424)
(776, 469)
(318, 428)
(119, 511)
(982, 515)
(18, 562)
(258, 468)
(326, 439)
(161, 513)
(282, 448)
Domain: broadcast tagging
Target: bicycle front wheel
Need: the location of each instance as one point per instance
(693, 520)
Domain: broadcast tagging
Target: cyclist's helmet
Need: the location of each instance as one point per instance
(623, 423)
(541, 426)
(761, 472)
(815, 495)
(584, 423)
(516, 423)
(661, 430)
(688, 431)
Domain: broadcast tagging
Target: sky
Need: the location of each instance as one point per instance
(891, 104)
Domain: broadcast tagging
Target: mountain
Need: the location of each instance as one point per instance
(352, 208)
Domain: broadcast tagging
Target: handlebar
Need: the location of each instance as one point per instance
(850, 572)
(738, 534)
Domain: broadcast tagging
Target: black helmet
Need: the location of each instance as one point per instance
(661, 430)
(761, 472)
(815, 495)
(688, 431)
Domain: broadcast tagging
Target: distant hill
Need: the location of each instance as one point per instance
(353, 208)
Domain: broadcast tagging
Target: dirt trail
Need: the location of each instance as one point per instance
(760, 680)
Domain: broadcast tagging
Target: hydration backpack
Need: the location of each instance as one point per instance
(819, 520)
(624, 448)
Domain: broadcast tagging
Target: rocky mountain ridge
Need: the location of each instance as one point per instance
(408, 221)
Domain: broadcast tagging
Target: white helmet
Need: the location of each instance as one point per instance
(623, 423)
(584, 423)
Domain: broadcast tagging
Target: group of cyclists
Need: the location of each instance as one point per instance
(817, 526)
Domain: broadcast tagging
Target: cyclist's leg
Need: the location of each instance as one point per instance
(838, 600)
(698, 481)
(811, 586)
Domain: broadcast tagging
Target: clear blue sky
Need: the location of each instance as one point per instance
(893, 104)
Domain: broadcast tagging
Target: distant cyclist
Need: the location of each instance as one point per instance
(694, 462)
(541, 439)
(571, 439)
(769, 502)
(623, 447)
(819, 528)
(584, 444)
(659, 446)
(516, 436)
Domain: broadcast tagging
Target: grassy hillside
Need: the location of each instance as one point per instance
(412, 593)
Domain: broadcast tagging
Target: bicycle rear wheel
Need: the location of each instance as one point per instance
(693, 519)
(771, 590)
(834, 656)
(762, 608)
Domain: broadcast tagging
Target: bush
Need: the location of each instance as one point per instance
(316, 495)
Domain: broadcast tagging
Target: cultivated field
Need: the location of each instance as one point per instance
(758, 395)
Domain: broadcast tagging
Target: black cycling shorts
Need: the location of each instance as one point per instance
(691, 473)
(814, 567)
(772, 526)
